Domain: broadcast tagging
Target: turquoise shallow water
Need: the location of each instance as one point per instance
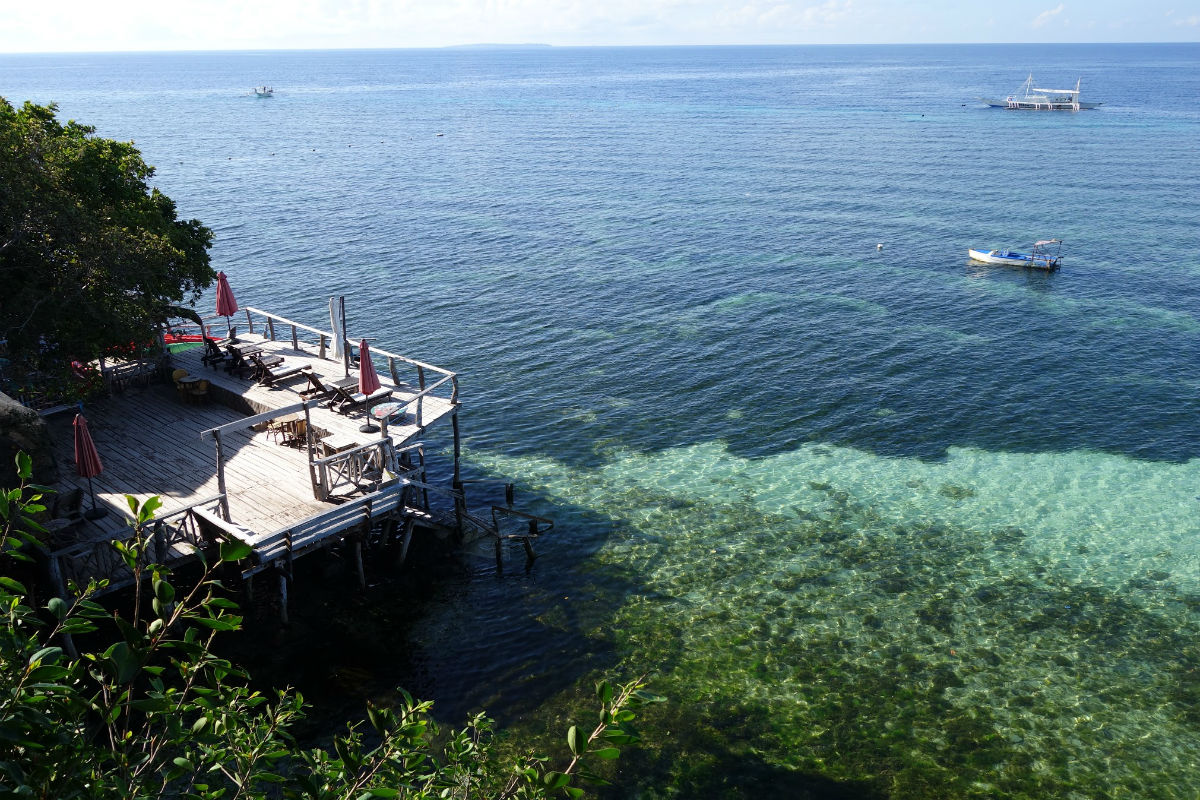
(880, 521)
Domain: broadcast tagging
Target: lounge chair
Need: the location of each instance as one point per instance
(317, 388)
(344, 401)
(269, 369)
(213, 354)
(239, 364)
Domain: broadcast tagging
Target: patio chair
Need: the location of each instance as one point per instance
(198, 392)
(212, 353)
(180, 389)
(344, 402)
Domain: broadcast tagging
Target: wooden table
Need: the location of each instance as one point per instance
(338, 443)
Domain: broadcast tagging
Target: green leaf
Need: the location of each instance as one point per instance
(555, 780)
(384, 792)
(164, 591)
(573, 791)
(24, 465)
(604, 691)
(648, 697)
(607, 752)
(133, 504)
(223, 624)
(13, 586)
(48, 655)
(574, 742)
(126, 664)
(235, 551)
(183, 763)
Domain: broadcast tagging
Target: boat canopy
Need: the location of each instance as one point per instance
(1055, 91)
(1047, 241)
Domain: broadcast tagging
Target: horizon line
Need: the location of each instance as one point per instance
(545, 46)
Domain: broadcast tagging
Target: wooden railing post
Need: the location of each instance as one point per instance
(295, 339)
(249, 322)
(392, 369)
(271, 328)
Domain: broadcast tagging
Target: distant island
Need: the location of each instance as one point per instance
(492, 46)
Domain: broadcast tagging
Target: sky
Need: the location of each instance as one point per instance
(121, 25)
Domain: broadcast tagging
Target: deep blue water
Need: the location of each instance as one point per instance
(655, 270)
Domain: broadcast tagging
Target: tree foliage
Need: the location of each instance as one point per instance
(150, 711)
(90, 256)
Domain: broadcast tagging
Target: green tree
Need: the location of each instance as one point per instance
(148, 709)
(90, 256)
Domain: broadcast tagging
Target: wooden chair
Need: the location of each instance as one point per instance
(198, 391)
(180, 389)
(238, 363)
(213, 354)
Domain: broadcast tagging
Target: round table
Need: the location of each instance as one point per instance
(385, 411)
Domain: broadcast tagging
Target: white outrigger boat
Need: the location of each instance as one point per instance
(1029, 98)
(264, 91)
(1039, 258)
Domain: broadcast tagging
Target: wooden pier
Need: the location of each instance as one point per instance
(255, 459)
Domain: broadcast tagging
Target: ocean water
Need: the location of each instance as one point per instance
(879, 522)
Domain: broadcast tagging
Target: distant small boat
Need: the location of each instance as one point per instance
(264, 91)
(1029, 98)
(1040, 258)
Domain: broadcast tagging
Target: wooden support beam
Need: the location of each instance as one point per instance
(283, 598)
(221, 475)
(358, 562)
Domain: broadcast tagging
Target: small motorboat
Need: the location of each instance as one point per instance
(264, 91)
(1039, 258)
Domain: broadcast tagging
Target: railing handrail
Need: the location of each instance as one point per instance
(374, 351)
(287, 321)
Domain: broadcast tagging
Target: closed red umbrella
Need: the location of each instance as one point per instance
(226, 303)
(87, 462)
(368, 380)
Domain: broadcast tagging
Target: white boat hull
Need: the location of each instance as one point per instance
(1012, 259)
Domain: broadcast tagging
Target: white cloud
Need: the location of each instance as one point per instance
(1187, 22)
(1046, 16)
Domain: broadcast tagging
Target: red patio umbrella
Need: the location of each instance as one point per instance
(368, 380)
(87, 463)
(226, 303)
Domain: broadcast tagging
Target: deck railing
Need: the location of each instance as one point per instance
(173, 537)
(271, 325)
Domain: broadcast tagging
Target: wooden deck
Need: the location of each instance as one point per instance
(149, 438)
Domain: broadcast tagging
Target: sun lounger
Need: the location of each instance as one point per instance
(344, 402)
(317, 388)
(269, 369)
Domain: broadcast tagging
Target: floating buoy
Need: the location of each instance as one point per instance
(879, 246)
